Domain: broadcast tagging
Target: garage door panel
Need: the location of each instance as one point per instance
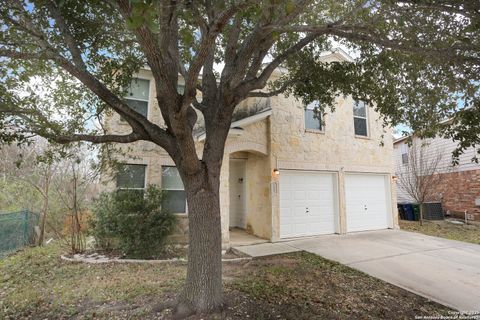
(312, 190)
(299, 195)
(366, 202)
(287, 212)
(285, 194)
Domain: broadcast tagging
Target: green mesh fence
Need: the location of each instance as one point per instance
(16, 230)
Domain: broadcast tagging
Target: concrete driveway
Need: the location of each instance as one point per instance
(442, 270)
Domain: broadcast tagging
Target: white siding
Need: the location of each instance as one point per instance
(434, 146)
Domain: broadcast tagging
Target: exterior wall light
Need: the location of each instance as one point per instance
(394, 178)
(276, 172)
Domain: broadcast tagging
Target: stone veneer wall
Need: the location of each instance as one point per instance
(254, 142)
(335, 149)
(280, 141)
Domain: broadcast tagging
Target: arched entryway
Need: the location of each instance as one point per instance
(249, 209)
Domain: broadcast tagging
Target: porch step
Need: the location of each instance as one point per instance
(266, 249)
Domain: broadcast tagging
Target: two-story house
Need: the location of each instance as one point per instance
(285, 172)
(457, 187)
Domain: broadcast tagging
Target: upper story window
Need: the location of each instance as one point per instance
(313, 117)
(131, 177)
(404, 158)
(172, 185)
(360, 118)
(138, 95)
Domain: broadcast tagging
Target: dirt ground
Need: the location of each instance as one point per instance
(36, 284)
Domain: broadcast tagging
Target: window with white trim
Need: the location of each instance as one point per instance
(313, 116)
(360, 118)
(138, 95)
(131, 177)
(172, 186)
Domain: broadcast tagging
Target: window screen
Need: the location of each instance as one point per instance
(360, 118)
(131, 176)
(172, 185)
(313, 118)
(139, 89)
(139, 106)
(138, 95)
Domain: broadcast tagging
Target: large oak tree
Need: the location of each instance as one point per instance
(66, 62)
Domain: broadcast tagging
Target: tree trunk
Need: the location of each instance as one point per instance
(44, 213)
(203, 286)
(420, 208)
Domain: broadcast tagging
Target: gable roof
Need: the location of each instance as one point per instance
(236, 126)
(338, 53)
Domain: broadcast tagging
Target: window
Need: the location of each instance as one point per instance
(131, 177)
(137, 96)
(313, 117)
(172, 185)
(404, 158)
(360, 118)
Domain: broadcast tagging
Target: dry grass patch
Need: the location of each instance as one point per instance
(444, 229)
(306, 286)
(37, 284)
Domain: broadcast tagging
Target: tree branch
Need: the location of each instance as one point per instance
(259, 82)
(259, 94)
(69, 39)
(206, 47)
(353, 33)
(108, 138)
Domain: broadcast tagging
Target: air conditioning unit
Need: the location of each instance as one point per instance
(432, 211)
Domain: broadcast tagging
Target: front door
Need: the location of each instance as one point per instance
(237, 185)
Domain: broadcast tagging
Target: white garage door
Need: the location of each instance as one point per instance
(307, 203)
(366, 202)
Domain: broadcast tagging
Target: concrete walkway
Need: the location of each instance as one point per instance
(442, 270)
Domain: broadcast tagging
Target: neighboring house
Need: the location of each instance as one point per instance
(285, 173)
(459, 186)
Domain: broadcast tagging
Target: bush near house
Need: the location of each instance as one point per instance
(132, 221)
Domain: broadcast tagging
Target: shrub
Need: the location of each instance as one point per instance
(132, 221)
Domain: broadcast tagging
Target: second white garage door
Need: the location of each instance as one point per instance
(307, 203)
(366, 202)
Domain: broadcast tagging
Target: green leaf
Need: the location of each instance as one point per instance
(289, 6)
(187, 36)
(135, 22)
(153, 26)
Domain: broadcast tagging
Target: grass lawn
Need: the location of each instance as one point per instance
(444, 229)
(36, 284)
